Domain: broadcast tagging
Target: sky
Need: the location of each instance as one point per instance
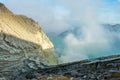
(59, 15)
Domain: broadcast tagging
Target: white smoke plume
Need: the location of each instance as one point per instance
(94, 38)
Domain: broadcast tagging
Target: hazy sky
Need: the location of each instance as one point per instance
(59, 15)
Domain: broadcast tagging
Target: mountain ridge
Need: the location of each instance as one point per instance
(3, 9)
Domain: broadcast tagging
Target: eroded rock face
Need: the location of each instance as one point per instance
(23, 44)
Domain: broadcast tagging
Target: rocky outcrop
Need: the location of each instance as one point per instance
(4, 10)
(23, 44)
(105, 68)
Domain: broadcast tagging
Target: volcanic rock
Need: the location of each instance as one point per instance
(23, 44)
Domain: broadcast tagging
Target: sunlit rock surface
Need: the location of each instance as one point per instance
(23, 44)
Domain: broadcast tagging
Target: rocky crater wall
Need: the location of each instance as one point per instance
(23, 44)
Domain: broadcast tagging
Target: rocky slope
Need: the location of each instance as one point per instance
(22, 44)
(105, 68)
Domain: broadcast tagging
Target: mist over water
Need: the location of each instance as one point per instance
(89, 44)
(93, 41)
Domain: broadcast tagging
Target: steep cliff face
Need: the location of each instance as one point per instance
(22, 42)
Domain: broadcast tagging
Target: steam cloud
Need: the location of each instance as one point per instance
(94, 40)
